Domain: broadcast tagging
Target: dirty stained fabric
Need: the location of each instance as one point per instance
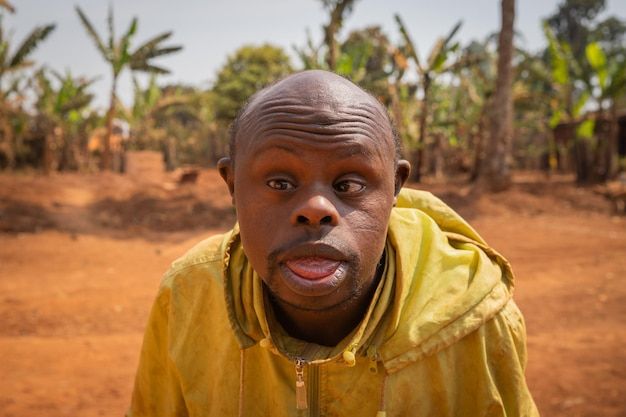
(441, 337)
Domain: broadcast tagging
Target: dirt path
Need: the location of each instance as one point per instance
(81, 258)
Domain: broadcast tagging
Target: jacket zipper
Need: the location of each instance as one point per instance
(301, 401)
(314, 390)
(308, 397)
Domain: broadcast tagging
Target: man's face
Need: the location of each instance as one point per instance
(313, 183)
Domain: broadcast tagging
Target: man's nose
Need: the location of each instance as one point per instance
(315, 210)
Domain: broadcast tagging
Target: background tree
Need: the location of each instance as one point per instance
(437, 63)
(247, 70)
(498, 163)
(338, 11)
(62, 111)
(10, 66)
(119, 56)
(365, 58)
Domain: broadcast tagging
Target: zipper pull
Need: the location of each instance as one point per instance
(374, 357)
(301, 403)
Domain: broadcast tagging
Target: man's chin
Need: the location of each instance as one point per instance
(333, 301)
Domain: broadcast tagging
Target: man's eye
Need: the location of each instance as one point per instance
(280, 185)
(348, 187)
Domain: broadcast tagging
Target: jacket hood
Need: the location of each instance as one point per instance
(441, 282)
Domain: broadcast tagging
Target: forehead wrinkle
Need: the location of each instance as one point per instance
(342, 148)
(302, 118)
(319, 109)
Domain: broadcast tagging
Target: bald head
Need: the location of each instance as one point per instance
(315, 102)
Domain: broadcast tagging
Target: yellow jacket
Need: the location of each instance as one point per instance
(442, 336)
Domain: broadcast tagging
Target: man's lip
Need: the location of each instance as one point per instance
(312, 250)
(313, 267)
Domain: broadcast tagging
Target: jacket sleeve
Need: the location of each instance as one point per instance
(157, 390)
(504, 344)
(478, 375)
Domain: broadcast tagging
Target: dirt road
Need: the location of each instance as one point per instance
(81, 258)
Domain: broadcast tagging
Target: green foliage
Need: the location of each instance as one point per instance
(597, 59)
(118, 52)
(560, 67)
(246, 71)
(17, 60)
(365, 59)
(585, 129)
(119, 56)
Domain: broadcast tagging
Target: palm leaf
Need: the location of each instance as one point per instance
(152, 43)
(453, 32)
(153, 53)
(124, 54)
(410, 46)
(145, 67)
(30, 43)
(617, 85)
(76, 102)
(111, 26)
(597, 60)
(439, 53)
(106, 53)
(560, 67)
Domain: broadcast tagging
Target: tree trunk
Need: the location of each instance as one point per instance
(478, 146)
(497, 174)
(7, 140)
(612, 151)
(106, 152)
(330, 31)
(418, 160)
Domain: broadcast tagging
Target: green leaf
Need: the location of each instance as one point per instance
(106, 53)
(560, 68)
(410, 46)
(597, 60)
(151, 43)
(555, 119)
(111, 26)
(37, 35)
(617, 86)
(345, 65)
(144, 67)
(580, 103)
(585, 129)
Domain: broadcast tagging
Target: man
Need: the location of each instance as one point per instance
(325, 300)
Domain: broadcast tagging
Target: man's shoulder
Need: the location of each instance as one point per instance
(200, 263)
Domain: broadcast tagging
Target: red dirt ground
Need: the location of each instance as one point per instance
(81, 257)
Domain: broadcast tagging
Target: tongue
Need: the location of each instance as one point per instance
(313, 268)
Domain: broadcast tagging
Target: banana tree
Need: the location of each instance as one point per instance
(473, 94)
(606, 85)
(568, 102)
(62, 108)
(11, 63)
(119, 55)
(338, 9)
(436, 64)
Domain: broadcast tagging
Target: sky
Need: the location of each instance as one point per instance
(210, 30)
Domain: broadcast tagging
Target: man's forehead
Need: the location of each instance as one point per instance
(316, 98)
(316, 87)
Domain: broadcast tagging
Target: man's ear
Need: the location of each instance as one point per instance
(227, 172)
(403, 169)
